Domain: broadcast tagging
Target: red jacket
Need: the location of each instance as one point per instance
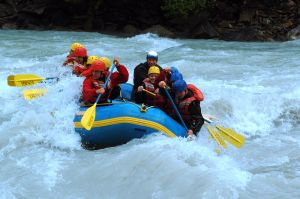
(78, 69)
(70, 60)
(90, 85)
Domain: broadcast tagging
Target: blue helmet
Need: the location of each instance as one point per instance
(152, 54)
(174, 70)
(179, 86)
(175, 76)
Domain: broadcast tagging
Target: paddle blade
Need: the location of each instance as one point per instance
(231, 136)
(88, 117)
(10, 80)
(34, 93)
(217, 137)
(21, 80)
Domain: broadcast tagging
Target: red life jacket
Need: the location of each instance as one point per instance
(183, 105)
(151, 100)
(197, 92)
(149, 86)
(89, 88)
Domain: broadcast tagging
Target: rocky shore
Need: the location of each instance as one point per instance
(238, 20)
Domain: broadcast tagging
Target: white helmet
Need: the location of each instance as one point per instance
(152, 54)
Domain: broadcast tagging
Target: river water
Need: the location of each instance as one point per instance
(253, 88)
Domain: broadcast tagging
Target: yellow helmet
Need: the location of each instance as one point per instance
(153, 70)
(106, 61)
(91, 59)
(76, 45)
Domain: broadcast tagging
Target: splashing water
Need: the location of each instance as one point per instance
(253, 88)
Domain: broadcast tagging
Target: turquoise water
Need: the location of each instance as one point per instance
(253, 88)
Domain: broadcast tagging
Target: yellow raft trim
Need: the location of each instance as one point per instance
(130, 120)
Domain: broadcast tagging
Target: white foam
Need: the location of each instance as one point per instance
(251, 87)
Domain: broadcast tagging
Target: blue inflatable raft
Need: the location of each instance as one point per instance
(119, 122)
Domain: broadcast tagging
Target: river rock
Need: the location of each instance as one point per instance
(204, 30)
(130, 30)
(159, 30)
(294, 33)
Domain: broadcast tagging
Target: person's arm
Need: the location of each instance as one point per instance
(139, 75)
(120, 76)
(88, 91)
(78, 69)
(198, 121)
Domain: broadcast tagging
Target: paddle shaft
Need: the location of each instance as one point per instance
(48, 78)
(178, 114)
(153, 94)
(106, 82)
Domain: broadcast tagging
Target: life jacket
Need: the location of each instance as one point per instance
(98, 84)
(183, 105)
(148, 85)
(94, 84)
(151, 100)
(197, 92)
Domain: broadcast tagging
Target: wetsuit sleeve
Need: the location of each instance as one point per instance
(195, 110)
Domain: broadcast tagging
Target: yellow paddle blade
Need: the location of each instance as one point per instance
(23, 80)
(88, 117)
(34, 93)
(216, 137)
(232, 137)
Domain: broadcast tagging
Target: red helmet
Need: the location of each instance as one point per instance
(80, 52)
(98, 65)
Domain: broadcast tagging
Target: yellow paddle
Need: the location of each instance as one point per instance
(231, 136)
(88, 117)
(227, 134)
(21, 80)
(34, 93)
(216, 137)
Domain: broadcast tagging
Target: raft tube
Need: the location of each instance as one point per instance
(121, 121)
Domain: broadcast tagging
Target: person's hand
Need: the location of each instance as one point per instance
(116, 61)
(156, 91)
(78, 65)
(191, 135)
(100, 91)
(140, 88)
(168, 69)
(162, 84)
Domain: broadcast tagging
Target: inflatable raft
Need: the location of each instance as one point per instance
(119, 122)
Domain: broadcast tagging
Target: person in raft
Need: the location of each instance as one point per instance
(141, 70)
(170, 75)
(148, 93)
(187, 98)
(106, 61)
(79, 65)
(81, 71)
(71, 57)
(93, 83)
(91, 59)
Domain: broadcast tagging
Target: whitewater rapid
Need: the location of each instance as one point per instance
(253, 88)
